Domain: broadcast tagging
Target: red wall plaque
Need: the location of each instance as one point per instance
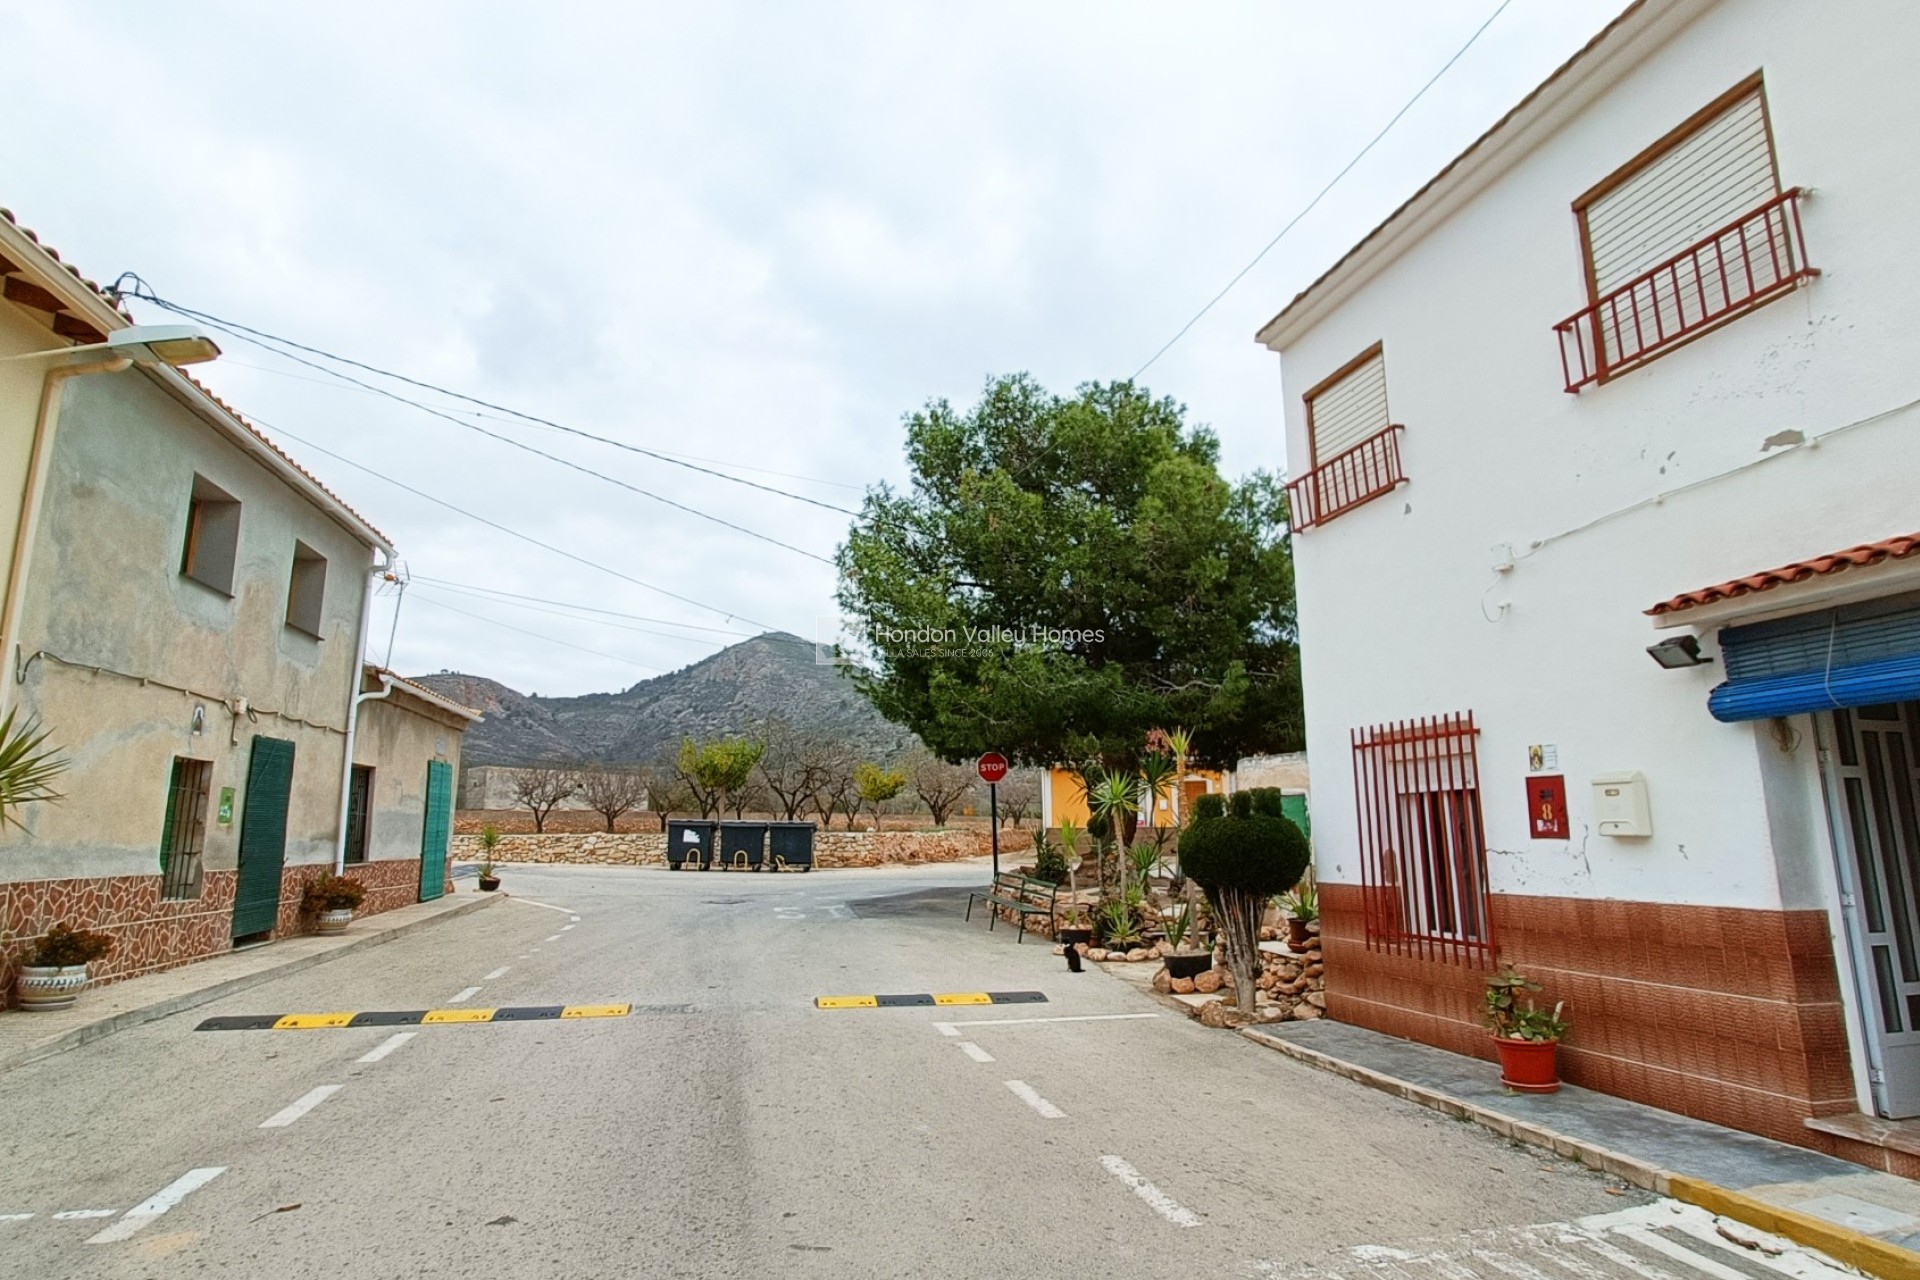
(1547, 806)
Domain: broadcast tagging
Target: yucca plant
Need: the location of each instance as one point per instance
(28, 767)
(1112, 794)
(1070, 850)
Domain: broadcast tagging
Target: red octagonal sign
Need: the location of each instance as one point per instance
(993, 767)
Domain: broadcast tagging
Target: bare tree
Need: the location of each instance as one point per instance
(612, 792)
(795, 766)
(666, 793)
(540, 789)
(839, 790)
(1019, 792)
(940, 786)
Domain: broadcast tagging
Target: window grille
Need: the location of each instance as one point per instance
(359, 812)
(184, 836)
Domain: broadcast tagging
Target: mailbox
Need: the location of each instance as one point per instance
(1620, 804)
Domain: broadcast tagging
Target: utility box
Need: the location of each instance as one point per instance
(1620, 804)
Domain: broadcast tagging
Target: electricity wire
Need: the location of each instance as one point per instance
(473, 587)
(495, 622)
(490, 598)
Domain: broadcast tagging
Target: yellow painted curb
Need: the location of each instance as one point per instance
(1856, 1249)
(457, 1015)
(963, 997)
(596, 1011)
(310, 1021)
(847, 1002)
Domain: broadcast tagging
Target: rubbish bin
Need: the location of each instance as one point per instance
(790, 844)
(743, 844)
(689, 841)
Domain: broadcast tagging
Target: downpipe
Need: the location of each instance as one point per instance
(355, 699)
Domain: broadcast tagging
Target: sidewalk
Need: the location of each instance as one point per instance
(1866, 1218)
(26, 1037)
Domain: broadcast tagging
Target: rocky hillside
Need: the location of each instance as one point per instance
(771, 674)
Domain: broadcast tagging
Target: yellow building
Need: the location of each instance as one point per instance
(1063, 798)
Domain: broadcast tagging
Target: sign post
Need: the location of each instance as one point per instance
(993, 767)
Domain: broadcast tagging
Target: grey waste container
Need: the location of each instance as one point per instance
(689, 841)
(790, 844)
(743, 844)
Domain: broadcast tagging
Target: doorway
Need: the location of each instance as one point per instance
(263, 838)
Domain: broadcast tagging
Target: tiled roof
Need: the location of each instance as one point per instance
(1866, 553)
(53, 253)
(423, 693)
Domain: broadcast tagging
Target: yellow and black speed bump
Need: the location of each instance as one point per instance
(412, 1017)
(923, 998)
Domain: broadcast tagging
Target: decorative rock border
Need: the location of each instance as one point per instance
(649, 848)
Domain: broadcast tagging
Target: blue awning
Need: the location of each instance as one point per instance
(1859, 684)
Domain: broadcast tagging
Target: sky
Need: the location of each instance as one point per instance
(748, 236)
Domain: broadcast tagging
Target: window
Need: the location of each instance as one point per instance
(359, 812)
(213, 536)
(306, 589)
(1353, 446)
(1423, 857)
(184, 836)
(1692, 232)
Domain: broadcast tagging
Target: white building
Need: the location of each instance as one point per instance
(1500, 508)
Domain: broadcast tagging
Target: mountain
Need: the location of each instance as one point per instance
(738, 687)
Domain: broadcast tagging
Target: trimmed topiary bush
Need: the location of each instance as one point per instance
(1241, 860)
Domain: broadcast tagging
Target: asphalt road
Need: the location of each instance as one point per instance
(727, 1127)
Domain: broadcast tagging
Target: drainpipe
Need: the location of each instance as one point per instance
(37, 466)
(354, 698)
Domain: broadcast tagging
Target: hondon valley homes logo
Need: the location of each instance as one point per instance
(841, 640)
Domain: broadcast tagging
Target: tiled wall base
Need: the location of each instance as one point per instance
(1732, 1016)
(150, 934)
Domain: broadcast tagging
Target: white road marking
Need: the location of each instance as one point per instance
(946, 1028)
(71, 1214)
(1681, 1254)
(387, 1046)
(1022, 1022)
(1024, 1091)
(575, 919)
(564, 928)
(14, 1217)
(553, 938)
(281, 1119)
(1162, 1203)
(497, 973)
(548, 905)
(463, 995)
(975, 1052)
(164, 1199)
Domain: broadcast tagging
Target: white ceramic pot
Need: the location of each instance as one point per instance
(43, 989)
(335, 921)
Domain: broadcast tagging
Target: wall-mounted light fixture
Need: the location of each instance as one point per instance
(1676, 652)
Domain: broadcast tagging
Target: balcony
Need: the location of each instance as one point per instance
(1742, 266)
(1346, 480)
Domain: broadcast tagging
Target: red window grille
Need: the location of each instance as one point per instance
(1423, 849)
(1347, 479)
(1743, 265)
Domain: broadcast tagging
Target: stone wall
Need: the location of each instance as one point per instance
(648, 848)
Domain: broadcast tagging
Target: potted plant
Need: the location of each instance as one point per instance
(55, 971)
(332, 900)
(1303, 908)
(1527, 1036)
(1181, 960)
(489, 841)
(1118, 929)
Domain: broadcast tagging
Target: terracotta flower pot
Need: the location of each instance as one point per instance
(489, 883)
(1529, 1066)
(44, 989)
(1298, 939)
(335, 921)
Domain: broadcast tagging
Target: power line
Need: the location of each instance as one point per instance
(481, 617)
(728, 614)
(483, 595)
(1311, 204)
(567, 604)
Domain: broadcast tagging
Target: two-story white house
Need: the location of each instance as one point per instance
(1606, 459)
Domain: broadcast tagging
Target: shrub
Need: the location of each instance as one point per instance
(333, 893)
(1241, 861)
(1209, 806)
(64, 947)
(1049, 863)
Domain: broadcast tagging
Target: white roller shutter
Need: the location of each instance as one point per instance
(1703, 183)
(1348, 411)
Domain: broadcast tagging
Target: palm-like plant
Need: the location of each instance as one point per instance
(1070, 847)
(28, 767)
(1157, 780)
(1112, 794)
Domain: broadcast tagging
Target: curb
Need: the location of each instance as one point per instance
(1864, 1252)
(206, 995)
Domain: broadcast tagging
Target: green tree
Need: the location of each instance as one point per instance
(716, 771)
(1242, 858)
(1167, 590)
(876, 786)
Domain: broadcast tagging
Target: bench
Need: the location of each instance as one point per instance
(1017, 893)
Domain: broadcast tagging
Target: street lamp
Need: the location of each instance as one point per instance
(168, 344)
(1677, 652)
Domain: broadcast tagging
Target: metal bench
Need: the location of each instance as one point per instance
(1020, 894)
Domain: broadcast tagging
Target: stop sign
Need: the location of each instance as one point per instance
(993, 767)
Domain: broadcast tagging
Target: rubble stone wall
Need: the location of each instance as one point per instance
(648, 848)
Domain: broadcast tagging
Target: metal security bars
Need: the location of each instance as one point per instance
(1423, 856)
(1346, 480)
(359, 812)
(1744, 264)
(186, 831)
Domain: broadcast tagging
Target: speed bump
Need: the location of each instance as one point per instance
(410, 1017)
(436, 1016)
(308, 1021)
(923, 998)
(596, 1011)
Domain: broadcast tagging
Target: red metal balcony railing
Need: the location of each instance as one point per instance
(1347, 479)
(1737, 268)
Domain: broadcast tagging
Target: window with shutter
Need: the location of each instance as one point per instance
(1354, 448)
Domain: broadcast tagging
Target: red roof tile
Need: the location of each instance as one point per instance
(1853, 557)
(72, 270)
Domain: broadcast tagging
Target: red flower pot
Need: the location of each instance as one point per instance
(1528, 1066)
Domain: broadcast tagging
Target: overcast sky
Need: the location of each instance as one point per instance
(749, 235)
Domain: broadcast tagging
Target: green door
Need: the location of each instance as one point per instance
(439, 826)
(263, 836)
(1295, 807)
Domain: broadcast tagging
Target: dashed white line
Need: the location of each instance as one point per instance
(946, 1028)
(575, 919)
(387, 1046)
(1025, 1092)
(497, 973)
(564, 928)
(548, 905)
(281, 1119)
(164, 1199)
(1162, 1203)
(70, 1215)
(975, 1052)
(14, 1217)
(554, 938)
(463, 995)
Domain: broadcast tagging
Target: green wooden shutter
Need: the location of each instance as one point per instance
(438, 829)
(263, 836)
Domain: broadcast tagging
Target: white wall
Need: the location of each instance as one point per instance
(1399, 605)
